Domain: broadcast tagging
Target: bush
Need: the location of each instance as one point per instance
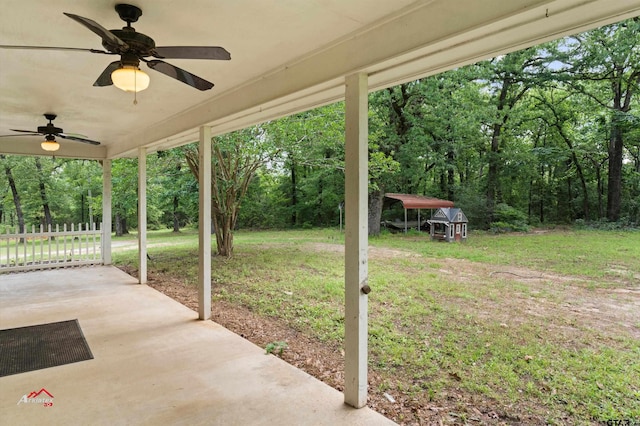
(509, 219)
(474, 206)
(580, 224)
(505, 213)
(624, 224)
(502, 227)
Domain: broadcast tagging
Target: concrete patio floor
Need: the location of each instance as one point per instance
(154, 362)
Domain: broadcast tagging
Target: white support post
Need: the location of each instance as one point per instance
(356, 240)
(204, 224)
(107, 188)
(142, 214)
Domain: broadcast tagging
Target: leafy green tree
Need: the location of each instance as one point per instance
(311, 163)
(429, 136)
(125, 193)
(391, 119)
(265, 205)
(508, 79)
(43, 192)
(236, 158)
(8, 165)
(604, 65)
(450, 141)
(176, 189)
(561, 119)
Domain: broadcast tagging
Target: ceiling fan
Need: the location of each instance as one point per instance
(134, 47)
(50, 132)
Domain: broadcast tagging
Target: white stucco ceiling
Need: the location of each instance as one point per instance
(287, 56)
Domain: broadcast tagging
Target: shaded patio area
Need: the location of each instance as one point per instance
(154, 362)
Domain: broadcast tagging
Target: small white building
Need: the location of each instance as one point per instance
(448, 224)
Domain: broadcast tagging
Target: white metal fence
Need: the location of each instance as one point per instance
(51, 248)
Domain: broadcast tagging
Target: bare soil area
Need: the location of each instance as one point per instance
(612, 311)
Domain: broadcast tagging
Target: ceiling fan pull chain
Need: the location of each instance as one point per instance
(135, 87)
(135, 91)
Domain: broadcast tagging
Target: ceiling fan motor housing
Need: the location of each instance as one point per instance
(49, 129)
(139, 44)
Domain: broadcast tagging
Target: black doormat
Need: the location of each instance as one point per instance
(42, 346)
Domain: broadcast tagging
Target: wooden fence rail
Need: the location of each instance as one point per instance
(25, 251)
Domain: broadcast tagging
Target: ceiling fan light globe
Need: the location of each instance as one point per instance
(50, 146)
(130, 79)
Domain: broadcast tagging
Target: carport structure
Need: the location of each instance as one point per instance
(287, 56)
(417, 202)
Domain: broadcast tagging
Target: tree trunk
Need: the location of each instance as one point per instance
(600, 193)
(492, 174)
(494, 149)
(376, 199)
(217, 225)
(16, 198)
(118, 224)
(451, 158)
(583, 185)
(121, 225)
(565, 209)
(541, 193)
(294, 194)
(224, 225)
(43, 195)
(82, 207)
(614, 183)
(621, 104)
(574, 159)
(566, 202)
(510, 94)
(176, 219)
(530, 203)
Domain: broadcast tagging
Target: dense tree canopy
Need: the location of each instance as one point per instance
(547, 135)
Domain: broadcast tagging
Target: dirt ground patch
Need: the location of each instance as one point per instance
(597, 308)
(546, 295)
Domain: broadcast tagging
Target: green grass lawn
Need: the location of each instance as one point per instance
(443, 323)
